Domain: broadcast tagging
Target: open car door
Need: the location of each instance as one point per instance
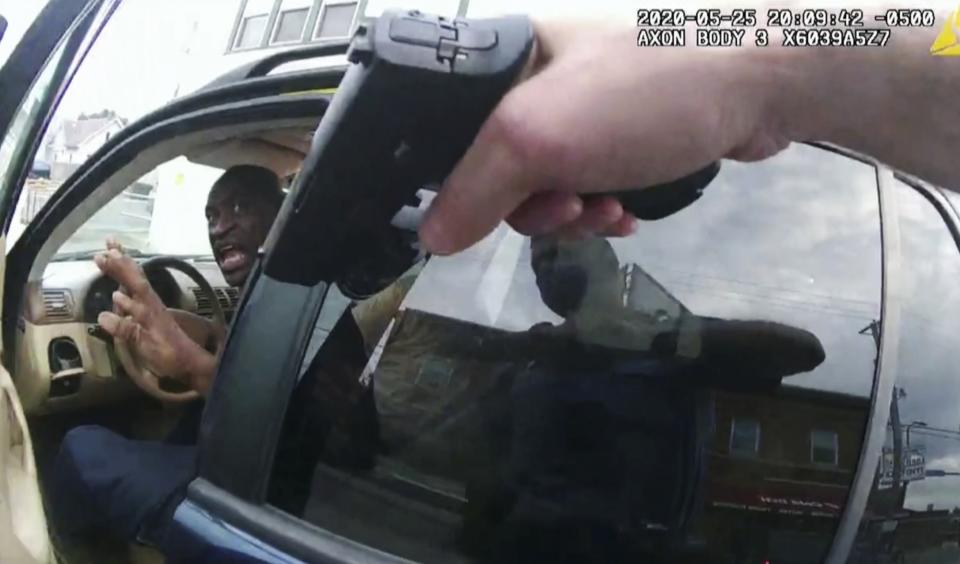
(34, 79)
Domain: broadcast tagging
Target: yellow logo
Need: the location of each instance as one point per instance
(947, 44)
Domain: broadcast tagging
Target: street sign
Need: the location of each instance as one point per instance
(913, 466)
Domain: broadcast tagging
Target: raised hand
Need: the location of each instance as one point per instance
(141, 319)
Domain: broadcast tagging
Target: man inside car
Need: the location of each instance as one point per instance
(103, 481)
(240, 209)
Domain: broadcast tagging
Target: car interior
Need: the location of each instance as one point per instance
(68, 371)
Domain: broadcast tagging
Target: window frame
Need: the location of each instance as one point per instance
(835, 446)
(162, 126)
(886, 378)
(871, 446)
(756, 441)
(232, 484)
(69, 27)
(230, 490)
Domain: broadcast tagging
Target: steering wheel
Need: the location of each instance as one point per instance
(205, 332)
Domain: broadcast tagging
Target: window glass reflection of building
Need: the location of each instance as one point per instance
(745, 437)
(823, 447)
(524, 391)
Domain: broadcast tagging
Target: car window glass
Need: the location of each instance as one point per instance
(159, 214)
(16, 137)
(143, 59)
(914, 506)
(697, 390)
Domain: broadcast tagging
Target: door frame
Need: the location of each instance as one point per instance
(61, 35)
(77, 22)
(236, 497)
(117, 153)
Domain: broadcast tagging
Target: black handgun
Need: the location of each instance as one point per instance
(418, 91)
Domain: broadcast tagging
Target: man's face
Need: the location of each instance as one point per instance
(238, 219)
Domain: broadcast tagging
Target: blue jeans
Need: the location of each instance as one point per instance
(127, 488)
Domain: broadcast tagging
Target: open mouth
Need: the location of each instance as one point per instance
(232, 258)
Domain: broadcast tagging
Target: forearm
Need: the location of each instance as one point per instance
(896, 103)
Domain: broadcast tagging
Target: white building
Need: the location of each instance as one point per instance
(74, 141)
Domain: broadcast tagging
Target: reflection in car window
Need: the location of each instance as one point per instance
(695, 392)
(744, 437)
(913, 511)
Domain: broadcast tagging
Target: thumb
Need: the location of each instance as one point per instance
(109, 321)
(123, 328)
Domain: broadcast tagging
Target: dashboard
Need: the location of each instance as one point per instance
(64, 361)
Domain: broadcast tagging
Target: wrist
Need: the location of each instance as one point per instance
(776, 91)
(819, 93)
(831, 93)
(200, 367)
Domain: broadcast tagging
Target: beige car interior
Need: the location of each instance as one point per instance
(54, 341)
(23, 527)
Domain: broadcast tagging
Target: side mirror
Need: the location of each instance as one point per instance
(3, 26)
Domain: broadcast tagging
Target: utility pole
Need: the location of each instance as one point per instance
(897, 438)
(873, 329)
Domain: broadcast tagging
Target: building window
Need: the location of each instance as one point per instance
(290, 21)
(823, 447)
(251, 32)
(266, 23)
(744, 437)
(336, 20)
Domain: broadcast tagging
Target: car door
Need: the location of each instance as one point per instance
(34, 79)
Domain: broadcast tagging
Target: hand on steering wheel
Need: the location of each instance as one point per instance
(151, 340)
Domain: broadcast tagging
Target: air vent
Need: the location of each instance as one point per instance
(57, 305)
(204, 307)
(226, 296)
